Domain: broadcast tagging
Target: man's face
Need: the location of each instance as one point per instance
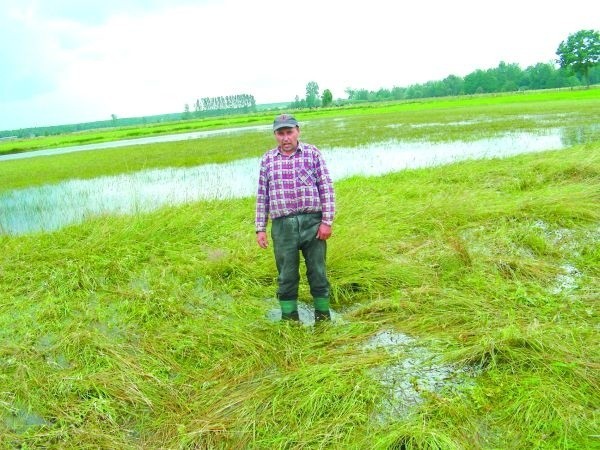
(287, 139)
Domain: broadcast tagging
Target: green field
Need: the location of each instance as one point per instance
(151, 331)
(471, 118)
(412, 108)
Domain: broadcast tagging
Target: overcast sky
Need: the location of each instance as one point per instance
(69, 61)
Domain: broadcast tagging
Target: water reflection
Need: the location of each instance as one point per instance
(50, 207)
(580, 135)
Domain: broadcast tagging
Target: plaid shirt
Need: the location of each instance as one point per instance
(294, 184)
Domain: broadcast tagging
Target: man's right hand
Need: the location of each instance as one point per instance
(261, 238)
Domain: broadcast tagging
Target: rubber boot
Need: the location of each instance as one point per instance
(322, 312)
(289, 310)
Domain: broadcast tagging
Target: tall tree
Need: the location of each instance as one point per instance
(580, 52)
(326, 97)
(312, 93)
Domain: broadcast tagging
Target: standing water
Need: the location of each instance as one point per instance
(50, 207)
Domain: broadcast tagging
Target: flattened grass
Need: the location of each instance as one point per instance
(150, 331)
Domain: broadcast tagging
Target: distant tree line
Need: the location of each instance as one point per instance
(229, 104)
(578, 60)
(85, 126)
(209, 106)
(504, 78)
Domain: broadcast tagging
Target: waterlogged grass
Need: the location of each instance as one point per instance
(151, 331)
(130, 132)
(90, 164)
(50, 207)
(411, 106)
(457, 119)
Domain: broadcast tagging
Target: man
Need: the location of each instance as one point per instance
(295, 190)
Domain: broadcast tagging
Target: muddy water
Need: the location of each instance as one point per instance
(50, 207)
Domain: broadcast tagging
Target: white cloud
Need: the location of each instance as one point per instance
(132, 57)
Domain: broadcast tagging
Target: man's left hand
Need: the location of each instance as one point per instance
(324, 232)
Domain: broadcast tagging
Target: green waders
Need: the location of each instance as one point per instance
(292, 235)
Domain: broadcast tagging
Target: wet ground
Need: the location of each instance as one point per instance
(50, 207)
(412, 372)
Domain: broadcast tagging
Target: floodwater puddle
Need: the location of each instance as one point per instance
(567, 240)
(415, 372)
(566, 281)
(20, 419)
(537, 118)
(50, 207)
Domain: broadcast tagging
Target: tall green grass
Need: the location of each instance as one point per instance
(151, 331)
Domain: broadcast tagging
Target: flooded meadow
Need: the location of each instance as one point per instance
(50, 207)
(464, 296)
